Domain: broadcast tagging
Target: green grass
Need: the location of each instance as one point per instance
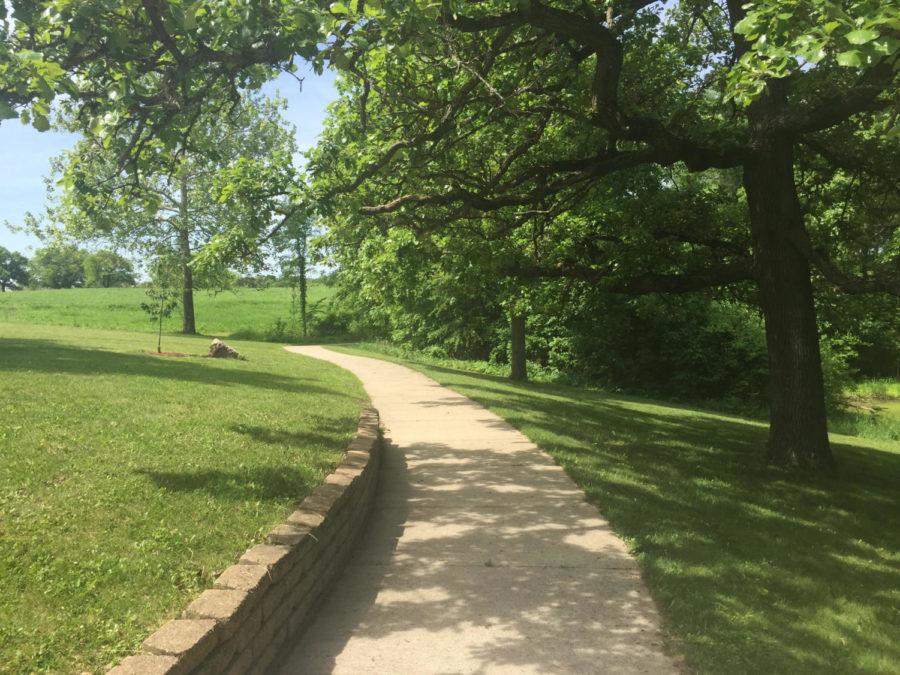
(878, 389)
(245, 313)
(756, 569)
(869, 418)
(129, 481)
(872, 410)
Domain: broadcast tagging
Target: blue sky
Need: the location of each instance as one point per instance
(25, 153)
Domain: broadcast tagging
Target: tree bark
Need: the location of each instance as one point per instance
(188, 324)
(518, 370)
(798, 434)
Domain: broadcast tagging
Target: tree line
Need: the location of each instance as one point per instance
(65, 266)
(526, 152)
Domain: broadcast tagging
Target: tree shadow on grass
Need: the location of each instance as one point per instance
(297, 439)
(268, 483)
(737, 552)
(47, 356)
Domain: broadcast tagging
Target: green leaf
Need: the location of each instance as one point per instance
(338, 8)
(340, 59)
(6, 111)
(41, 123)
(745, 25)
(886, 45)
(861, 36)
(851, 59)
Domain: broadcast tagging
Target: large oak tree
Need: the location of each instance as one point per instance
(518, 112)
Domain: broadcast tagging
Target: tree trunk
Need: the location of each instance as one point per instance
(518, 369)
(301, 279)
(188, 324)
(798, 434)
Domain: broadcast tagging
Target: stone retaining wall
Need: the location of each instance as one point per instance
(242, 622)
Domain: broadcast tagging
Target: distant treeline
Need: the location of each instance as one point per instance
(67, 266)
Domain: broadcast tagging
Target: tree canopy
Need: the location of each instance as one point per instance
(13, 269)
(234, 178)
(633, 146)
(108, 269)
(58, 266)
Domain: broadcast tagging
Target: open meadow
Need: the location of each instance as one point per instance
(128, 481)
(246, 313)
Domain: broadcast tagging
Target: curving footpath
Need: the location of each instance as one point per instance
(481, 555)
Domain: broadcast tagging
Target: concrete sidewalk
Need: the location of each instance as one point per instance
(481, 555)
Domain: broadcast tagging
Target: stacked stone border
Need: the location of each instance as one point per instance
(240, 624)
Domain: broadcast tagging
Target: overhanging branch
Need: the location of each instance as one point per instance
(836, 108)
(886, 283)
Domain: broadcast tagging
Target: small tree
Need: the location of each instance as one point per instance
(162, 298)
(13, 269)
(294, 239)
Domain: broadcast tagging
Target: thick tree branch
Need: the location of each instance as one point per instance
(836, 108)
(887, 283)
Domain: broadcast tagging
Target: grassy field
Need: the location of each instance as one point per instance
(129, 481)
(245, 313)
(756, 570)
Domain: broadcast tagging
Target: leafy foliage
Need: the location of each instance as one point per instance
(520, 124)
(106, 269)
(786, 37)
(13, 269)
(58, 266)
(190, 194)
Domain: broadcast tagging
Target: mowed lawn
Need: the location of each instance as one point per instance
(247, 313)
(755, 569)
(128, 482)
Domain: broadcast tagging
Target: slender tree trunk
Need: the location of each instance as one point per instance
(519, 370)
(798, 434)
(301, 280)
(188, 324)
(161, 304)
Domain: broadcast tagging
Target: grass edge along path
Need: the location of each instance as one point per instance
(755, 569)
(128, 481)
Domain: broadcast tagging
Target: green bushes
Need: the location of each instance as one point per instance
(687, 348)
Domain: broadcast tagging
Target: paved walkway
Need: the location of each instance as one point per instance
(481, 555)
